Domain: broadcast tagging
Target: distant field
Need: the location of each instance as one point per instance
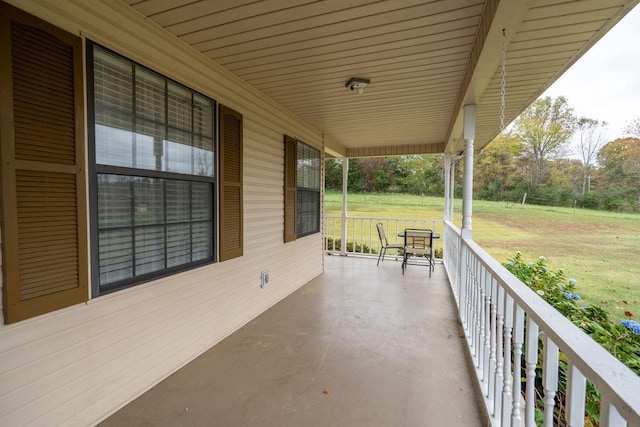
(601, 250)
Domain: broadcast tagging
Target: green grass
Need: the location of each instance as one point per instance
(599, 249)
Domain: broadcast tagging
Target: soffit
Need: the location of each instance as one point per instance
(419, 56)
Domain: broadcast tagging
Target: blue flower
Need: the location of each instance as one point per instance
(632, 325)
(544, 270)
(569, 295)
(572, 281)
(531, 264)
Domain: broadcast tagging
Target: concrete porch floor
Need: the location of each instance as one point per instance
(360, 345)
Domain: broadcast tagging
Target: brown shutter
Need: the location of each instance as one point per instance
(231, 222)
(43, 178)
(290, 188)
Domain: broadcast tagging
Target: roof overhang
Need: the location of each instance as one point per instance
(425, 59)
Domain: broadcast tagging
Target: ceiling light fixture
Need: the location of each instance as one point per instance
(358, 84)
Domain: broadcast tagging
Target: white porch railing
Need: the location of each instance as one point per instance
(503, 320)
(362, 235)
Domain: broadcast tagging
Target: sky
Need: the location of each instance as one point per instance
(605, 83)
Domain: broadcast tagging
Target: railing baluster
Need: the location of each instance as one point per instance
(473, 263)
(506, 388)
(575, 397)
(609, 415)
(482, 341)
(530, 365)
(479, 304)
(497, 401)
(518, 339)
(549, 379)
(493, 342)
(487, 330)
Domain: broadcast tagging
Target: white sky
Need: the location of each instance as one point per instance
(605, 83)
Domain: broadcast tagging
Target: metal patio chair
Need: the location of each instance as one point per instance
(384, 244)
(418, 243)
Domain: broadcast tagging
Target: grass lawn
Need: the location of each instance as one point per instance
(601, 250)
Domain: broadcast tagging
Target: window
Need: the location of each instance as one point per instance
(154, 177)
(302, 190)
(308, 190)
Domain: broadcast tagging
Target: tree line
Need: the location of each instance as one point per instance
(548, 154)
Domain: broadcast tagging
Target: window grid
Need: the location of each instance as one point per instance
(308, 189)
(158, 137)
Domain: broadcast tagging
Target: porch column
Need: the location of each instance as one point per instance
(343, 230)
(469, 135)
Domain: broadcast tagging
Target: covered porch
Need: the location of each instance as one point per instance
(359, 345)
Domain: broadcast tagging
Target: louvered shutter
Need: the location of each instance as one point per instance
(231, 219)
(43, 179)
(290, 188)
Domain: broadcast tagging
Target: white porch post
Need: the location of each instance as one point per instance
(345, 181)
(469, 135)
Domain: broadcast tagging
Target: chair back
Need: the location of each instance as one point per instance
(381, 235)
(417, 240)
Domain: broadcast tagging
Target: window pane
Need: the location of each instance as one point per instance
(149, 145)
(201, 239)
(179, 107)
(201, 201)
(149, 249)
(202, 115)
(150, 96)
(115, 255)
(179, 152)
(114, 145)
(203, 156)
(114, 201)
(178, 244)
(113, 103)
(113, 82)
(178, 201)
(149, 201)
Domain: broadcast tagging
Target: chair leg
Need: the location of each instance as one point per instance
(384, 249)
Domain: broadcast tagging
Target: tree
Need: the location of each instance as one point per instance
(620, 164)
(498, 168)
(333, 174)
(591, 138)
(545, 128)
(421, 174)
(633, 128)
(376, 174)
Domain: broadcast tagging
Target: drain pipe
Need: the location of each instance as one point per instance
(343, 231)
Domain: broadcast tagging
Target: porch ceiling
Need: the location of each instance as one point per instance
(425, 59)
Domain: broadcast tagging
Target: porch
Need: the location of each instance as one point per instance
(359, 345)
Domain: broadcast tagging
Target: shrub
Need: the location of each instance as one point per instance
(620, 339)
(330, 244)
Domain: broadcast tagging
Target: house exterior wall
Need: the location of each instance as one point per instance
(77, 365)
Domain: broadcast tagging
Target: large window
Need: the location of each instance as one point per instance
(154, 176)
(308, 189)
